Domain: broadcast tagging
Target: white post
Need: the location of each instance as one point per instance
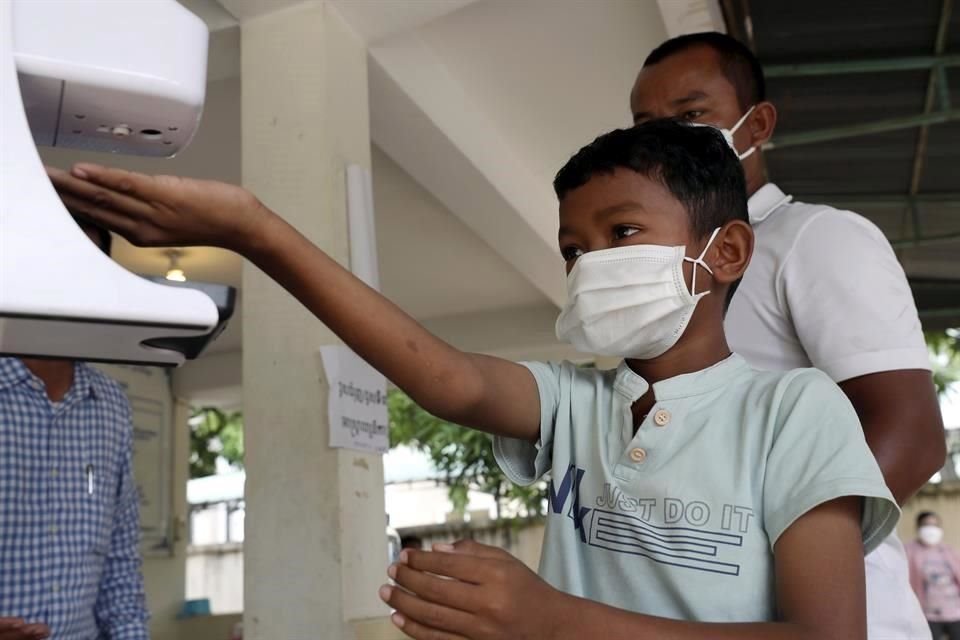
(315, 548)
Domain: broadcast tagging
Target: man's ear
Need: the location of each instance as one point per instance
(762, 122)
(732, 250)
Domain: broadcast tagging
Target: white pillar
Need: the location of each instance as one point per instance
(315, 548)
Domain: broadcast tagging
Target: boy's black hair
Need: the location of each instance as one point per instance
(739, 65)
(694, 164)
(923, 515)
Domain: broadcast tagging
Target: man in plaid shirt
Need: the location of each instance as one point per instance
(69, 509)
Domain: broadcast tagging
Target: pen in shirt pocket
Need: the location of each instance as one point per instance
(89, 479)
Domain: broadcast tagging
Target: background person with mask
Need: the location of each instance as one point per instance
(935, 577)
(823, 289)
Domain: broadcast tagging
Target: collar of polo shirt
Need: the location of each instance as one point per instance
(765, 201)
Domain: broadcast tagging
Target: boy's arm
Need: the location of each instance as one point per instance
(486, 393)
(820, 593)
(483, 392)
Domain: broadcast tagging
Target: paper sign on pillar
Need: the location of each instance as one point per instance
(357, 402)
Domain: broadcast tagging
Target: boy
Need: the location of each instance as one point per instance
(685, 485)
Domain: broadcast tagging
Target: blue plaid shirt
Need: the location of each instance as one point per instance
(69, 510)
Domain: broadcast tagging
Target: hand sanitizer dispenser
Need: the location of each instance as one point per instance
(124, 77)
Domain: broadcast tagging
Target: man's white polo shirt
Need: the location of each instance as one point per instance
(825, 289)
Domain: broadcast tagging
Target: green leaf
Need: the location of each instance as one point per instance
(944, 347)
(214, 434)
(463, 457)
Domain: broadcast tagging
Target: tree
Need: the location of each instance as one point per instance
(214, 434)
(464, 457)
(944, 347)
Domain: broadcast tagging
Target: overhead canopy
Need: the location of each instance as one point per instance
(868, 96)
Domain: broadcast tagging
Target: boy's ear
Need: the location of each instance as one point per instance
(732, 249)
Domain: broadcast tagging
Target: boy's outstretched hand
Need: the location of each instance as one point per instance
(162, 210)
(474, 591)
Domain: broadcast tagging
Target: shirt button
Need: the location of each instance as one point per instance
(53, 531)
(54, 472)
(638, 455)
(56, 588)
(661, 418)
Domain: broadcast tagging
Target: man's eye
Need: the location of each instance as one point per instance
(570, 253)
(692, 115)
(624, 232)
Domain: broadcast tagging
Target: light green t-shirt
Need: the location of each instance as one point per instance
(680, 519)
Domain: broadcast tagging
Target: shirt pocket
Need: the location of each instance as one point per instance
(96, 503)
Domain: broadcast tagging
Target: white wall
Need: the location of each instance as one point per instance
(412, 504)
(216, 572)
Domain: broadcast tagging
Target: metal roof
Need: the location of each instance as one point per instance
(868, 97)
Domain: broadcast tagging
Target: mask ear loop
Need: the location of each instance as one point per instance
(699, 261)
(743, 118)
(733, 130)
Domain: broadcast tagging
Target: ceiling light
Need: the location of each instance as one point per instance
(175, 273)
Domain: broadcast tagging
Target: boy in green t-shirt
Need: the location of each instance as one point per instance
(688, 490)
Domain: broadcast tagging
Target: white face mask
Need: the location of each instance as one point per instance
(630, 302)
(930, 535)
(728, 133)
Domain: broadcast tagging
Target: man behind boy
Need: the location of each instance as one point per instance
(824, 289)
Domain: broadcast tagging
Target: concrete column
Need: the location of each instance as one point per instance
(315, 548)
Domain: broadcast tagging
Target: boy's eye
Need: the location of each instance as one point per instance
(570, 253)
(691, 115)
(624, 232)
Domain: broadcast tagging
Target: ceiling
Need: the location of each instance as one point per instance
(538, 75)
(842, 66)
(430, 262)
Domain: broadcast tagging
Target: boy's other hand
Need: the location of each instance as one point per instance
(17, 629)
(161, 211)
(474, 591)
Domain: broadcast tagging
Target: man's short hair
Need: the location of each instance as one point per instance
(694, 163)
(739, 65)
(923, 515)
